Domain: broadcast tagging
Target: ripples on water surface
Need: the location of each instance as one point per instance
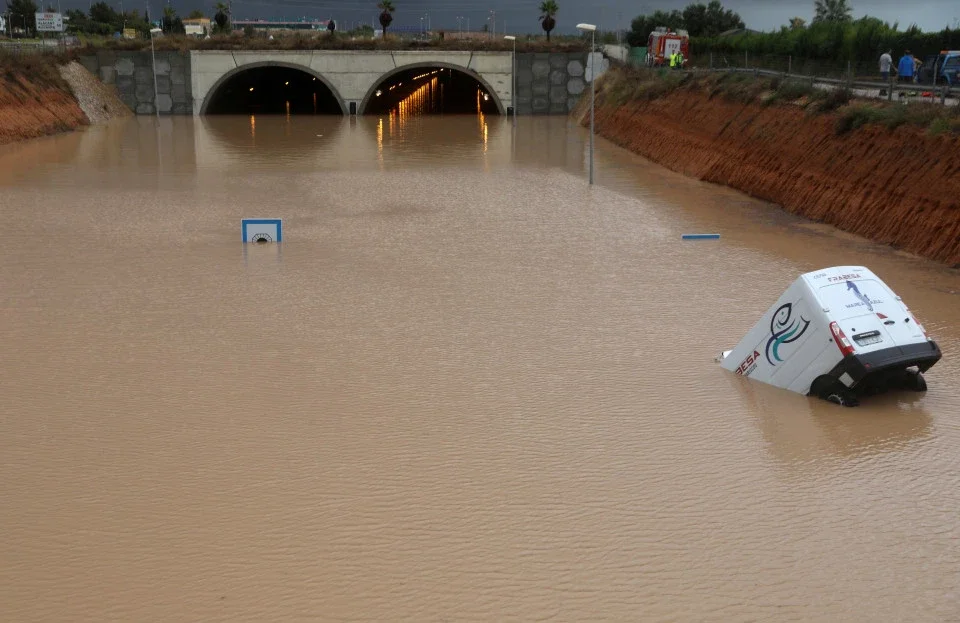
(466, 387)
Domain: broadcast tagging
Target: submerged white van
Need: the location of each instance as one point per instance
(839, 334)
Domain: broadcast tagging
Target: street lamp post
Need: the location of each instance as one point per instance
(592, 29)
(513, 82)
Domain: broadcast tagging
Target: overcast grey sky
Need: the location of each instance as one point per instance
(521, 15)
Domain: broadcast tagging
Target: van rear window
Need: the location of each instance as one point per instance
(854, 298)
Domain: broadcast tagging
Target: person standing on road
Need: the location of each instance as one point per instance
(886, 62)
(905, 67)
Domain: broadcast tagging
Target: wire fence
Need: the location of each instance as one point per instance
(890, 90)
(862, 78)
(17, 47)
(848, 70)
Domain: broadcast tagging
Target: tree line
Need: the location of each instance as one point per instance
(103, 19)
(832, 35)
(861, 40)
(700, 20)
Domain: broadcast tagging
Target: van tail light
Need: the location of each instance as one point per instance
(846, 348)
(917, 322)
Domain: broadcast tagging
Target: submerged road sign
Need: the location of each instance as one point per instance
(261, 230)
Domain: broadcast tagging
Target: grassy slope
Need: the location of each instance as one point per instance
(623, 85)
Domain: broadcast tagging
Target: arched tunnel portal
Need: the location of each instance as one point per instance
(273, 88)
(431, 89)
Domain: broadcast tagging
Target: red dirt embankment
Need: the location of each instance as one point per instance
(35, 104)
(900, 187)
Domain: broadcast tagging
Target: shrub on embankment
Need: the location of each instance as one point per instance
(35, 100)
(890, 173)
(629, 84)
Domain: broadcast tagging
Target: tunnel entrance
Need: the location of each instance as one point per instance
(431, 91)
(273, 90)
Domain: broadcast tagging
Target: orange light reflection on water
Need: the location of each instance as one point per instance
(422, 100)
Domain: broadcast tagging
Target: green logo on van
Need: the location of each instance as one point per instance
(783, 330)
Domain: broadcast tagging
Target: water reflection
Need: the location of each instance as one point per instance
(476, 368)
(135, 153)
(388, 141)
(809, 434)
(271, 136)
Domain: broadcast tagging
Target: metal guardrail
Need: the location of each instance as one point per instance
(868, 85)
(17, 46)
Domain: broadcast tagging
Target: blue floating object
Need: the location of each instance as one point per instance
(700, 236)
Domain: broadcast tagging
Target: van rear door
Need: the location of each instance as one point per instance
(870, 314)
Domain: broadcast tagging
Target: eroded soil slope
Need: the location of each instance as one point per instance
(900, 187)
(35, 104)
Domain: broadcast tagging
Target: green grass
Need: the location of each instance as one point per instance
(625, 84)
(945, 125)
(824, 101)
(936, 119)
(40, 67)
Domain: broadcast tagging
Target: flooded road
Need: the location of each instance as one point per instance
(466, 387)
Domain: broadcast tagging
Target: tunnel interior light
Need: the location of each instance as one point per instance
(251, 89)
(287, 83)
(379, 92)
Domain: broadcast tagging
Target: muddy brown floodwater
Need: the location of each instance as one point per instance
(465, 387)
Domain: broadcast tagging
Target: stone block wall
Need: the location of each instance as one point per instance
(132, 73)
(549, 83)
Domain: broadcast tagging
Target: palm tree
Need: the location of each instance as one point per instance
(831, 11)
(222, 17)
(166, 23)
(386, 14)
(796, 23)
(548, 9)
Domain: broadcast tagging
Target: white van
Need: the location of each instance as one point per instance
(840, 334)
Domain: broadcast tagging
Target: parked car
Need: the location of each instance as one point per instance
(945, 66)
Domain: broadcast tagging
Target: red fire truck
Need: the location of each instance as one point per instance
(663, 42)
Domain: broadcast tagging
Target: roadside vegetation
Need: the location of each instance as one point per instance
(623, 85)
(39, 68)
(326, 41)
(832, 38)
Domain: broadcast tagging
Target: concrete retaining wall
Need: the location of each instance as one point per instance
(549, 83)
(132, 73)
(546, 83)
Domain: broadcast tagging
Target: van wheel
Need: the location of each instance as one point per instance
(914, 381)
(844, 399)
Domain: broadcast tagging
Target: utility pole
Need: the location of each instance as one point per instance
(153, 55)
